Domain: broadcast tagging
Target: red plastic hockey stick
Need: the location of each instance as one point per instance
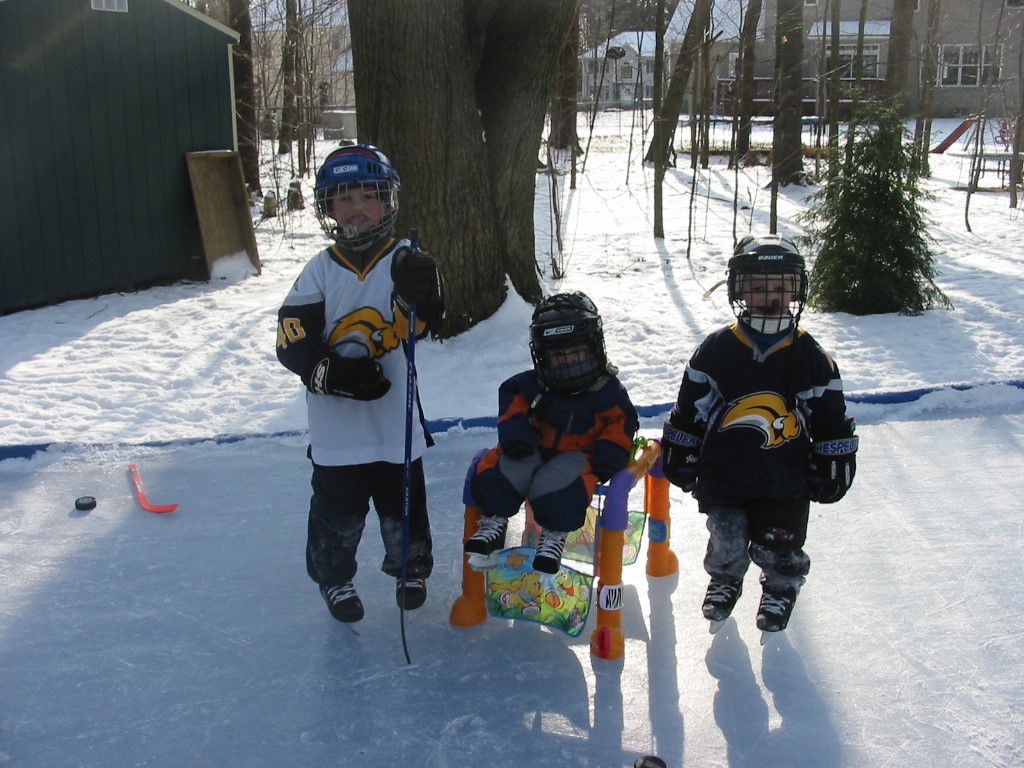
(140, 494)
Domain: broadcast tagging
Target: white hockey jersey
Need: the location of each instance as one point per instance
(335, 304)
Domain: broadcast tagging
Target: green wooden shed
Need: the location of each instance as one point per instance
(100, 100)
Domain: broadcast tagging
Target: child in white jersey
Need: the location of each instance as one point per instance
(341, 329)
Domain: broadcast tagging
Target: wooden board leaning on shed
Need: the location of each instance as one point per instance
(222, 206)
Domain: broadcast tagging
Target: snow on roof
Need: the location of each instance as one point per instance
(878, 28)
(726, 17)
(632, 40)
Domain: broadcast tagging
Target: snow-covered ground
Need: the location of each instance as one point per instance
(195, 638)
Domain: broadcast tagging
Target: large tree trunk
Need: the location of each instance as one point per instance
(289, 55)
(457, 101)
(245, 99)
(899, 51)
(513, 84)
(746, 90)
(787, 165)
(563, 104)
(668, 117)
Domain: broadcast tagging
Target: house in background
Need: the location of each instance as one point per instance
(325, 60)
(101, 100)
(965, 69)
(622, 78)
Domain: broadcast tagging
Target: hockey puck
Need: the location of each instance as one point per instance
(85, 503)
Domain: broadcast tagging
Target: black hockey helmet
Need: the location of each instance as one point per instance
(567, 342)
(767, 283)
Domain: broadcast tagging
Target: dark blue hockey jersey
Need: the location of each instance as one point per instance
(758, 412)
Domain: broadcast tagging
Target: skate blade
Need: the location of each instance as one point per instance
(480, 562)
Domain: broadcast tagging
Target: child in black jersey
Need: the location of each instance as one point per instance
(758, 431)
(564, 426)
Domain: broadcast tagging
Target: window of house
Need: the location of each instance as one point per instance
(734, 64)
(110, 5)
(847, 55)
(960, 65)
(1015, 3)
(810, 2)
(626, 72)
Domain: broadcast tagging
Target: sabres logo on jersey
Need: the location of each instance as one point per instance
(766, 412)
(367, 329)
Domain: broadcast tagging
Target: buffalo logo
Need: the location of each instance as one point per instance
(368, 330)
(768, 414)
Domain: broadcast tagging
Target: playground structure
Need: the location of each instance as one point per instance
(606, 640)
(990, 153)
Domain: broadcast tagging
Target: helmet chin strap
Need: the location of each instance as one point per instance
(769, 324)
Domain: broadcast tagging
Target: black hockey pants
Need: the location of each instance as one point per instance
(337, 515)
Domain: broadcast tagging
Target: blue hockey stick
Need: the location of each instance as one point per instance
(410, 403)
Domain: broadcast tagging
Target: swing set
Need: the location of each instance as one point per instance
(609, 539)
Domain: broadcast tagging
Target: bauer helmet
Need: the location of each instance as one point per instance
(362, 166)
(767, 283)
(567, 342)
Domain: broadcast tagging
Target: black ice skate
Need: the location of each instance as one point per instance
(775, 609)
(412, 595)
(343, 602)
(549, 551)
(488, 539)
(721, 598)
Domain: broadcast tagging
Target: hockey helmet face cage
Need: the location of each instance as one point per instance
(567, 343)
(767, 283)
(359, 167)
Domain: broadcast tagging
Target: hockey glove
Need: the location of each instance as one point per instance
(418, 282)
(359, 378)
(833, 465)
(680, 457)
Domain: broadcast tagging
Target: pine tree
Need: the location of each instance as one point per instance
(868, 227)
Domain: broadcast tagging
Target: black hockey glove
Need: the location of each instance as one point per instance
(418, 282)
(680, 457)
(833, 465)
(359, 378)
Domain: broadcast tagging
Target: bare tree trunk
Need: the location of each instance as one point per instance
(457, 100)
(787, 164)
(659, 162)
(822, 83)
(899, 52)
(706, 97)
(245, 104)
(929, 73)
(988, 88)
(1018, 127)
(835, 83)
(665, 123)
(746, 89)
(858, 61)
(288, 56)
